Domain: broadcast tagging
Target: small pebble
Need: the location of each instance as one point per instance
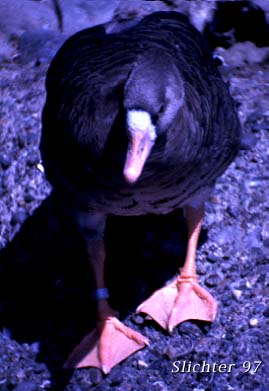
(213, 258)
(190, 328)
(116, 377)
(226, 348)
(237, 293)
(25, 386)
(159, 386)
(262, 126)
(141, 364)
(29, 197)
(5, 160)
(95, 376)
(255, 182)
(171, 352)
(137, 319)
(257, 254)
(233, 211)
(253, 322)
(226, 299)
(212, 280)
(76, 387)
(259, 308)
(202, 268)
(18, 217)
(33, 158)
(248, 142)
(40, 167)
(265, 234)
(46, 384)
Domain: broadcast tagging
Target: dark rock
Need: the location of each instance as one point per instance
(233, 211)
(159, 386)
(40, 45)
(29, 197)
(213, 258)
(19, 217)
(265, 234)
(226, 300)
(95, 375)
(5, 160)
(248, 141)
(202, 268)
(26, 386)
(33, 158)
(261, 126)
(257, 255)
(212, 280)
(116, 377)
(241, 54)
(138, 319)
(76, 387)
(231, 23)
(190, 328)
(226, 349)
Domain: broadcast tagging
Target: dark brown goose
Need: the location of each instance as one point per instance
(137, 122)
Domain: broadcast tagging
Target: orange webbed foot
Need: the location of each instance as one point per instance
(106, 347)
(181, 300)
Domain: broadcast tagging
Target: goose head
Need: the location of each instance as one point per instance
(153, 96)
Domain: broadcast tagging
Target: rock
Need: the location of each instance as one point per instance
(40, 45)
(138, 319)
(5, 160)
(213, 258)
(248, 141)
(212, 280)
(116, 377)
(190, 329)
(237, 293)
(238, 21)
(159, 386)
(201, 12)
(78, 14)
(19, 217)
(242, 53)
(255, 182)
(253, 322)
(141, 364)
(16, 19)
(25, 386)
(95, 375)
(7, 49)
(265, 234)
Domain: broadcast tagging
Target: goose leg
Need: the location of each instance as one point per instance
(184, 298)
(111, 341)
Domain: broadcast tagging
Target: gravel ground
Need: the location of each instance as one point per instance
(45, 289)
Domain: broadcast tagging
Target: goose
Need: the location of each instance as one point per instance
(136, 122)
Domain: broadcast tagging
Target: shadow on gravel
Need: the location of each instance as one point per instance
(46, 284)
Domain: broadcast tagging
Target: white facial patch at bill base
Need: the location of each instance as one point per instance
(139, 120)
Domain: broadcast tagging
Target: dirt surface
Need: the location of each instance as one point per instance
(45, 290)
